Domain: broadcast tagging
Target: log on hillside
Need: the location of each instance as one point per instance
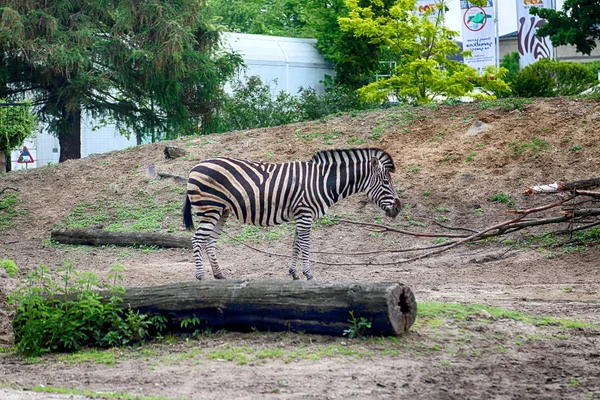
(99, 237)
(277, 305)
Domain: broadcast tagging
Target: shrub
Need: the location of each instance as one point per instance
(63, 311)
(547, 78)
(252, 105)
(336, 99)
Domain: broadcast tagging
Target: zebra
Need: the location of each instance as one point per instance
(267, 194)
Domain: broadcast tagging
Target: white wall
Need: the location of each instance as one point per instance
(45, 149)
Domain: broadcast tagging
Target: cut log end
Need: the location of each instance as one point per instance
(402, 308)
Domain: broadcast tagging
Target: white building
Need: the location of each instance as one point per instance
(284, 63)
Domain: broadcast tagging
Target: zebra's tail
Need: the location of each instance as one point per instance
(187, 214)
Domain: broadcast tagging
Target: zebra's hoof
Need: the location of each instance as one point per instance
(309, 277)
(200, 277)
(295, 277)
(220, 276)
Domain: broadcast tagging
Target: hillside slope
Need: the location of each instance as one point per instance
(444, 174)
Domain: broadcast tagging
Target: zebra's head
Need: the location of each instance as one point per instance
(380, 188)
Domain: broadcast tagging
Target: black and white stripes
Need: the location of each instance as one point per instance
(267, 194)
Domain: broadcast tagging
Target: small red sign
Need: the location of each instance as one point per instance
(25, 156)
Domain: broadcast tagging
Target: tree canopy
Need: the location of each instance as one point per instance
(146, 64)
(578, 24)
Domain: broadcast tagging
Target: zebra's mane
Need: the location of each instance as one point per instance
(334, 156)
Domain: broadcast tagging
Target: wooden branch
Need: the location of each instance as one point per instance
(476, 236)
(562, 186)
(9, 188)
(451, 228)
(588, 193)
(278, 305)
(386, 228)
(99, 237)
(154, 174)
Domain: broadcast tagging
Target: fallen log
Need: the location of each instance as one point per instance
(100, 237)
(278, 305)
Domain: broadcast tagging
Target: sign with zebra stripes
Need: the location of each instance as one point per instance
(531, 48)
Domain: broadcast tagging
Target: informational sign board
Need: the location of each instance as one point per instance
(479, 34)
(25, 157)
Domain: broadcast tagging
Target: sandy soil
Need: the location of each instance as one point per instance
(446, 175)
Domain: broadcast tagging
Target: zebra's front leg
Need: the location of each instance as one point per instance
(295, 253)
(304, 245)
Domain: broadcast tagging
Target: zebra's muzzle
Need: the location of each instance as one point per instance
(394, 209)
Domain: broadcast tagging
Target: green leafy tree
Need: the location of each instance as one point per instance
(262, 17)
(17, 122)
(578, 24)
(421, 47)
(149, 65)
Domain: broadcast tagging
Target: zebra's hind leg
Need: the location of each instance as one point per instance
(199, 241)
(211, 246)
(295, 253)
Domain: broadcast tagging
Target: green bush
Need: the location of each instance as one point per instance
(547, 78)
(252, 105)
(63, 311)
(336, 99)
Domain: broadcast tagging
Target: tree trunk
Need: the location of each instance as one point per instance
(278, 305)
(69, 136)
(99, 237)
(3, 162)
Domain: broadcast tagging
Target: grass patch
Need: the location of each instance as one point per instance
(11, 208)
(458, 312)
(118, 216)
(535, 146)
(97, 357)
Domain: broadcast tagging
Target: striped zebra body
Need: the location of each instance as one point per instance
(266, 194)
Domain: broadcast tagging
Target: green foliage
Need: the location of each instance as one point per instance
(575, 24)
(420, 47)
(492, 83)
(9, 266)
(510, 61)
(548, 78)
(16, 124)
(275, 18)
(358, 327)
(62, 311)
(9, 209)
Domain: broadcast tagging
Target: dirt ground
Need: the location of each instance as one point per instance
(446, 175)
